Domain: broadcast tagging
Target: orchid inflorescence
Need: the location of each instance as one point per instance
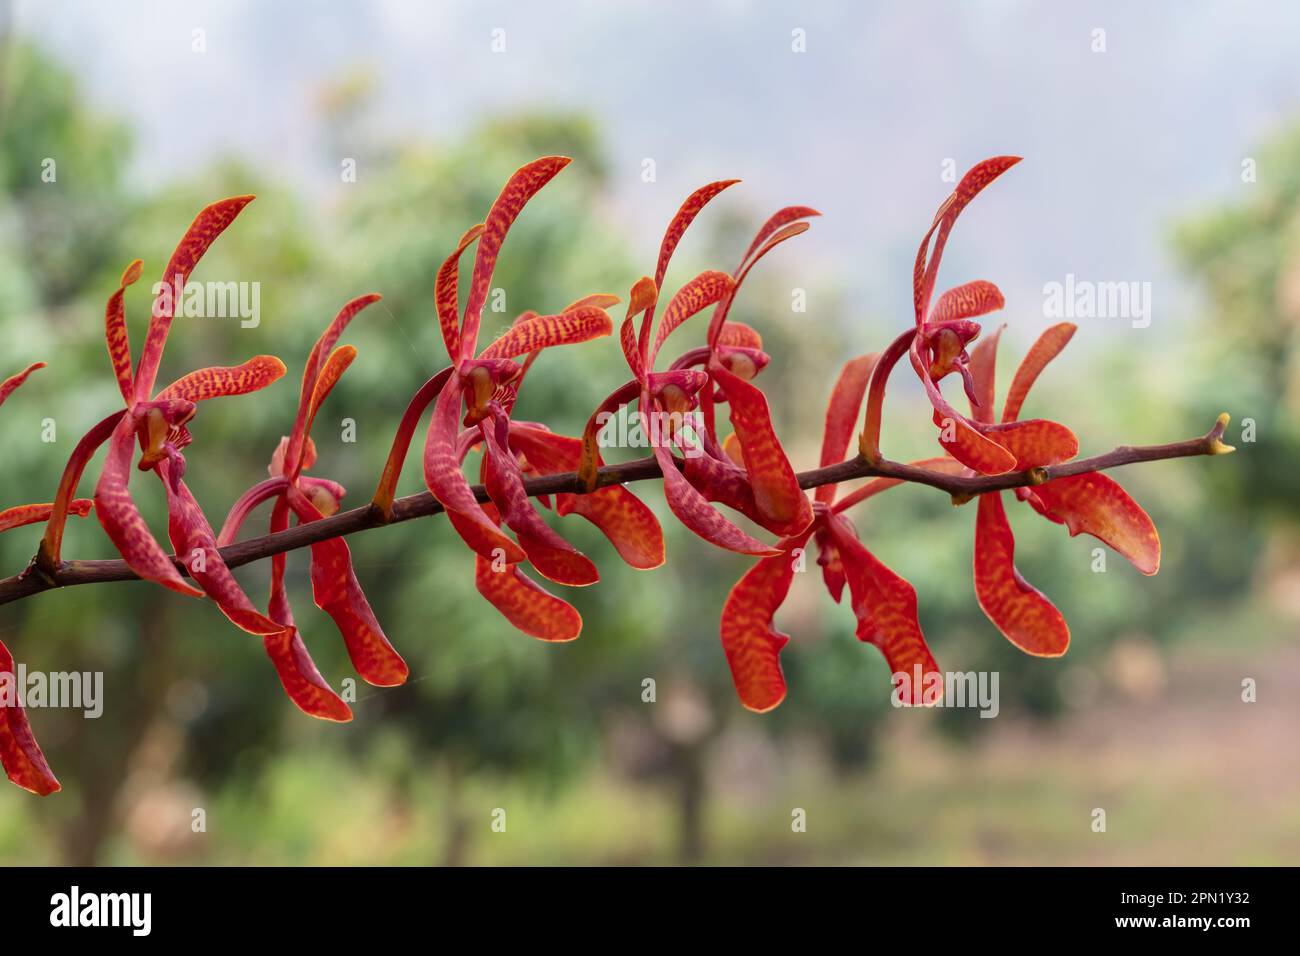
(472, 402)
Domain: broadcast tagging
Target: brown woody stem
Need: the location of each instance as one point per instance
(423, 504)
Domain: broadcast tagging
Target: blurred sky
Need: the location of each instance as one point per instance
(1119, 144)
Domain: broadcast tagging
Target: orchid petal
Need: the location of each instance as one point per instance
(518, 190)
(52, 543)
(429, 391)
(681, 220)
(301, 679)
(1035, 442)
(631, 352)
(599, 300)
(553, 557)
(750, 640)
(210, 223)
(1017, 609)
(1095, 504)
(544, 331)
(738, 335)
(122, 521)
(621, 516)
(337, 592)
(694, 511)
(967, 302)
(776, 487)
(842, 413)
(314, 370)
(1046, 348)
(22, 515)
(298, 674)
(885, 606)
(983, 373)
(217, 382)
(338, 362)
(8, 386)
(719, 319)
(957, 435)
(445, 479)
(446, 294)
(23, 761)
(115, 331)
(778, 221)
(924, 272)
(731, 448)
(192, 537)
(704, 290)
(726, 482)
(525, 603)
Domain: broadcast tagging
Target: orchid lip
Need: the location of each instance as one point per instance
(744, 363)
(488, 384)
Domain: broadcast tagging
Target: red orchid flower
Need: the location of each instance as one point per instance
(487, 387)
(883, 603)
(622, 517)
(749, 471)
(334, 584)
(1091, 503)
(937, 347)
(761, 484)
(21, 756)
(159, 423)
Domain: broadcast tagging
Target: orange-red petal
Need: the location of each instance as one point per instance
(525, 603)
(923, 275)
(115, 332)
(446, 294)
(1095, 504)
(842, 413)
(706, 289)
(192, 537)
(694, 511)
(122, 521)
(210, 223)
(622, 517)
(776, 487)
(1017, 609)
(218, 381)
(447, 482)
(885, 606)
(1035, 442)
(301, 679)
(21, 515)
(553, 557)
(749, 638)
(581, 324)
(967, 301)
(14, 381)
(336, 591)
(1046, 348)
(521, 187)
(23, 761)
